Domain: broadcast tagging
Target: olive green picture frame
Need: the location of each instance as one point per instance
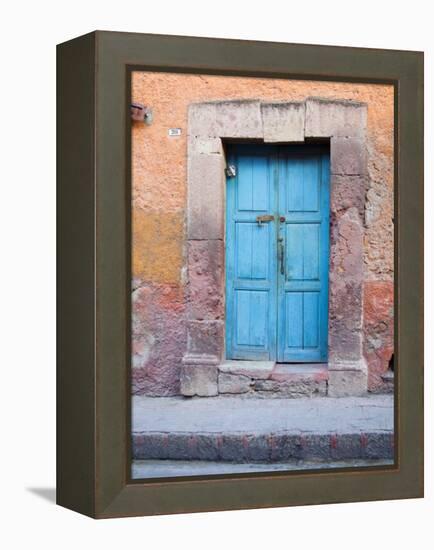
(94, 252)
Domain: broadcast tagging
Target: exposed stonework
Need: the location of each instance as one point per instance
(235, 119)
(205, 337)
(347, 192)
(378, 332)
(268, 379)
(348, 379)
(388, 383)
(169, 303)
(294, 389)
(199, 376)
(346, 284)
(306, 372)
(283, 122)
(234, 383)
(205, 280)
(328, 118)
(159, 338)
(345, 124)
(348, 156)
(206, 178)
(258, 370)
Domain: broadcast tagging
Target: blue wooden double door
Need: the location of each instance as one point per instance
(277, 253)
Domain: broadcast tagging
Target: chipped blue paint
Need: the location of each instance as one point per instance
(277, 306)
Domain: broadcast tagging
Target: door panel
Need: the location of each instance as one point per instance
(252, 250)
(302, 181)
(303, 285)
(251, 288)
(294, 319)
(277, 271)
(253, 185)
(311, 320)
(303, 251)
(251, 310)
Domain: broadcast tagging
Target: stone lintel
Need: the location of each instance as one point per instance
(335, 118)
(202, 119)
(239, 119)
(283, 122)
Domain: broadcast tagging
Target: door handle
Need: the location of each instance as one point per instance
(264, 219)
(282, 255)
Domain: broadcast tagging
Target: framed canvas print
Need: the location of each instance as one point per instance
(240, 274)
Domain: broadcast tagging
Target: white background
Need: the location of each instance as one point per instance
(29, 33)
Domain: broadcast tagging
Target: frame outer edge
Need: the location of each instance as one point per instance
(409, 266)
(115, 494)
(75, 409)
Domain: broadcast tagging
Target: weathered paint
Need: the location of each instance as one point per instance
(277, 308)
(157, 246)
(158, 338)
(159, 168)
(251, 263)
(304, 202)
(378, 342)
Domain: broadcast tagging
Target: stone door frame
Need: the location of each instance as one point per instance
(342, 122)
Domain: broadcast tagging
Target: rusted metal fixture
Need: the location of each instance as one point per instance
(264, 219)
(141, 113)
(230, 171)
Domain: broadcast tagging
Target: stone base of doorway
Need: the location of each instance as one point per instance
(235, 429)
(151, 469)
(270, 379)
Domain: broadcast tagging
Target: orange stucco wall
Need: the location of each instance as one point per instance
(159, 169)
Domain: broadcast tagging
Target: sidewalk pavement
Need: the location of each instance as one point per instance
(247, 429)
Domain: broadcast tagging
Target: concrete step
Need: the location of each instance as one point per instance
(237, 429)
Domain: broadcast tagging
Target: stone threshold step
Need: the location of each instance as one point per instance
(272, 447)
(270, 370)
(268, 378)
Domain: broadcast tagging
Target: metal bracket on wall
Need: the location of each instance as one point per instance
(141, 113)
(230, 171)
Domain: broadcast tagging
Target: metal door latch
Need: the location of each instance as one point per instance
(264, 219)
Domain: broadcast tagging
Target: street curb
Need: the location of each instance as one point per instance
(275, 447)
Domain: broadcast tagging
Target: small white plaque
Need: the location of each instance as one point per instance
(175, 132)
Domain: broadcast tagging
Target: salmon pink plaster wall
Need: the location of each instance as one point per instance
(160, 246)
